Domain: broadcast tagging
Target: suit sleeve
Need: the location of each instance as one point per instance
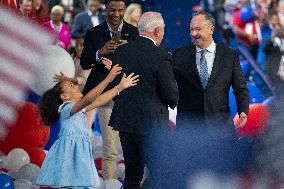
(75, 31)
(167, 83)
(88, 58)
(240, 87)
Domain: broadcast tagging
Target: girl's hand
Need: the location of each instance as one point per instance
(116, 70)
(128, 81)
(107, 63)
(59, 78)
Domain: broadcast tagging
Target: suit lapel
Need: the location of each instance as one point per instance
(192, 67)
(216, 65)
(124, 31)
(106, 32)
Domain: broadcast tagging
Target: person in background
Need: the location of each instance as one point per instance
(132, 14)
(60, 30)
(102, 41)
(88, 19)
(26, 10)
(41, 10)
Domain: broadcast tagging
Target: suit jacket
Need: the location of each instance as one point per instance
(213, 102)
(82, 22)
(140, 108)
(94, 40)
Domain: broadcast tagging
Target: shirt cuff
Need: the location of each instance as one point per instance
(97, 56)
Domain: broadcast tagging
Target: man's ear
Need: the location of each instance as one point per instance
(157, 32)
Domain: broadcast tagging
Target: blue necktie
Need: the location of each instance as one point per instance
(204, 76)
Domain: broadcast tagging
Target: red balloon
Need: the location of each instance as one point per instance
(37, 155)
(4, 170)
(28, 132)
(120, 161)
(98, 162)
(258, 118)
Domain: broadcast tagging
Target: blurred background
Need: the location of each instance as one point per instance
(254, 28)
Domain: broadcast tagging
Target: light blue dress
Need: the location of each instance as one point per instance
(69, 162)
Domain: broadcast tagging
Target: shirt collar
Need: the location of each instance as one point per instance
(119, 27)
(91, 14)
(210, 49)
(149, 38)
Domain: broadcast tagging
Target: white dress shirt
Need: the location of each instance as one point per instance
(110, 33)
(209, 56)
(149, 38)
(94, 18)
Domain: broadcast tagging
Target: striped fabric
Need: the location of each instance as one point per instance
(21, 48)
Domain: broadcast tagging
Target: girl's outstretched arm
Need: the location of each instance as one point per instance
(104, 98)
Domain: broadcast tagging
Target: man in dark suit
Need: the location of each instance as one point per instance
(98, 43)
(88, 19)
(138, 113)
(205, 72)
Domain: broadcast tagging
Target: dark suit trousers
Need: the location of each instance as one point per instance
(134, 153)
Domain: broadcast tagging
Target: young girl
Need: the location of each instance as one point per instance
(69, 162)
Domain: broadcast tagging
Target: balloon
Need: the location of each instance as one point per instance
(56, 60)
(17, 158)
(121, 170)
(6, 182)
(246, 14)
(96, 128)
(37, 155)
(98, 162)
(254, 93)
(258, 118)
(28, 131)
(3, 161)
(24, 184)
(54, 131)
(28, 172)
(13, 173)
(112, 184)
(245, 67)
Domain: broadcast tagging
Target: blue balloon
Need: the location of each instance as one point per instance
(53, 136)
(245, 67)
(32, 97)
(246, 14)
(255, 97)
(96, 128)
(6, 182)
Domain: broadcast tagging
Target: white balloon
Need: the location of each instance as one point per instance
(121, 170)
(112, 184)
(29, 172)
(24, 184)
(3, 161)
(13, 173)
(55, 60)
(17, 158)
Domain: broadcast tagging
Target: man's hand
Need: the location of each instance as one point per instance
(243, 119)
(108, 48)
